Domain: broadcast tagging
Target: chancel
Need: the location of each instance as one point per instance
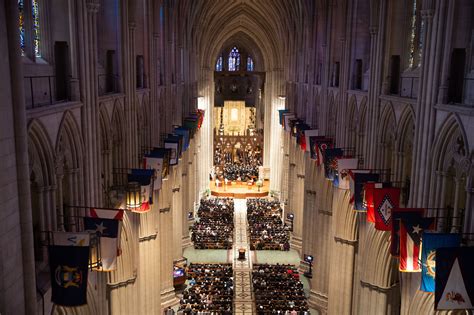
(236, 157)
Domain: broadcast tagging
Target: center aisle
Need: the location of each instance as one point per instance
(243, 302)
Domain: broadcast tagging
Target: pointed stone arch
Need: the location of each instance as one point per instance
(118, 144)
(351, 124)
(404, 146)
(386, 139)
(451, 167)
(43, 185)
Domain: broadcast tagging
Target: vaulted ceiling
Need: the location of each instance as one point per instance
(267, 28)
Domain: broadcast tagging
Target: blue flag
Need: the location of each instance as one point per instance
(431, 242)
(69, 269)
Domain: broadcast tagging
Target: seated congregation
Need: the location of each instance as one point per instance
(240, 172)
(267, 230)
(278, 290)
(210, 290)
(215, 224)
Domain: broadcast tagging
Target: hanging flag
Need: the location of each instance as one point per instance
(156, 164)
(369, 200)
(411, 230)
(331, 156)
(397, 215)
(163, 154)
(173, 144)
(454, 278)
(185, 133)
(287, 118)
(280, 115)
(71, 238)
(357, 180)
(317, 145)
(145, 179)
(106, 224)
(200, 113)
(431, 242)
(307, 135)
(68, 268)
(385, 199)
(344, 165)
(300, 135)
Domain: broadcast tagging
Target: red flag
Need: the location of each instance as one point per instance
(385, 199)
(411, 231)
(369, 201)
(397, 215)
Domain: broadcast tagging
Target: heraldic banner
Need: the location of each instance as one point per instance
(69, 268)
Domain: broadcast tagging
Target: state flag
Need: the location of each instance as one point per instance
(156, 164)
(430, 243)
(331, 155)
(385, 199)
(357, 179)
(397, 215)
(106, 224)
(307, 135)
(145, 179)
(287, 118)
(185, 133)
(70, 238)
(454, 288)
(68, 270)
(280, 115)
(174, 146)
(411, 231)
(317, 145)
(344, 165)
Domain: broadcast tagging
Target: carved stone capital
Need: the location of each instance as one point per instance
(92, 6)
(427, 14)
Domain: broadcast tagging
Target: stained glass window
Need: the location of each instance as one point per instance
(234, 59)
(219, 64)
(36, 27)
(21, 25)
(411, 60)
(249, 63)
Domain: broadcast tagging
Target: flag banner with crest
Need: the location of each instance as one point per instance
(145, 179)
(397, 215)
(185, 133)
(200, 113)
(191, 123)
(431, 242)
(292, 122)
(179, 139)
(331, 155)
(286, 121)
(307, 135)
(174, 146)
(411, 231)
(69, 270)
(454, 283)
(294, 126)
(318, 145)
(300, 135)
(151, 162)
(71, 238)
(344, 165)
(385, 199)
(280, 114)
(107, 225)
(163, 154)
(369, 189)
(357, 179)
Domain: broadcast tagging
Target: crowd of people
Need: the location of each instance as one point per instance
(214, 226)
(240, 172)
(210, 291)
(278, 290)
(248, 155)
(267, 230)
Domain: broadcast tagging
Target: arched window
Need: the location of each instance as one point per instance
(36, 27)
(21, 25)
(29, 11)
(250, 64)
(234, 59)
(219, 64)
(415, 44)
